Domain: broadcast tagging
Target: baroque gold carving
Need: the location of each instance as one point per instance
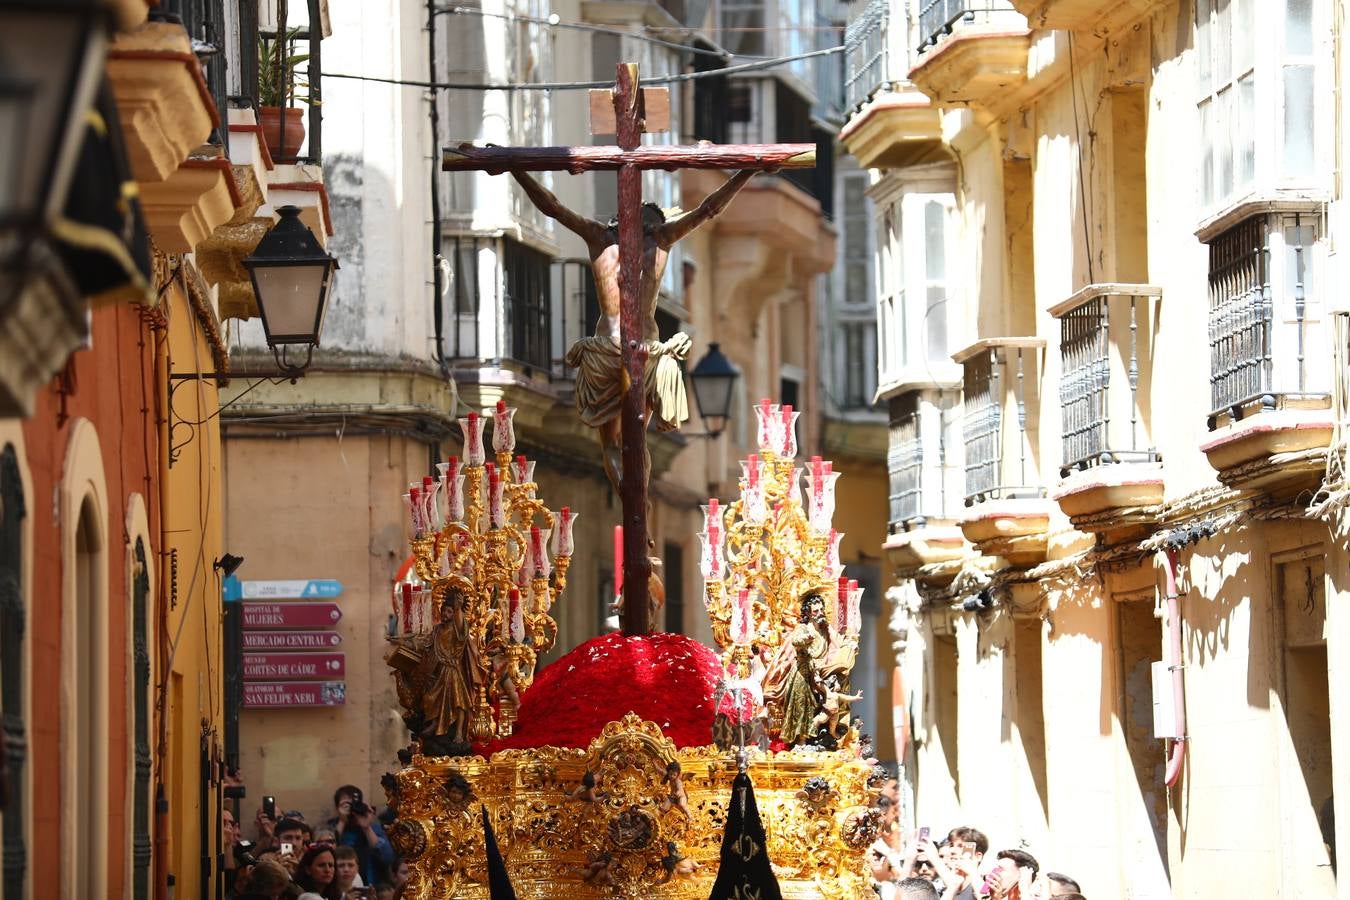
(553, 833)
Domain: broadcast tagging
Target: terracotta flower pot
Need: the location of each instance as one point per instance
(269, 117)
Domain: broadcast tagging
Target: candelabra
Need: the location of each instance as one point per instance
(480, 534)
(773, 545)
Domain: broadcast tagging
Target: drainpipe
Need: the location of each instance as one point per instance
(1168, 559)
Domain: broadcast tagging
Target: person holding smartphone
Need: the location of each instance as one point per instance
(357, 827)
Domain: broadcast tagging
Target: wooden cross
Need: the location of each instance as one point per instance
(633, 107)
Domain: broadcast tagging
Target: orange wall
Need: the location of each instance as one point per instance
(113, 387)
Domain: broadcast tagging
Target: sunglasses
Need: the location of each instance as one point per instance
(320, 845)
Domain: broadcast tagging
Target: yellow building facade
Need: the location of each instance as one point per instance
(1115, 467)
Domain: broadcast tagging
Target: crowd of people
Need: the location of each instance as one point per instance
(349, 857)
(346, 857)
(957, 866)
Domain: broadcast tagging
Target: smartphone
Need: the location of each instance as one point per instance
(287, 847)
(923, 833)
(270, 807)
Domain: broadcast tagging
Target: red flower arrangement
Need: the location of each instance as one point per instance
(668, 679)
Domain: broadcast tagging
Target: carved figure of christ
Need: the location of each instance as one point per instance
(613, 376)
(599, 395)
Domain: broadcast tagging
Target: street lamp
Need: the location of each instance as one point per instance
(51, 59)
(714, 378)
(292, 275)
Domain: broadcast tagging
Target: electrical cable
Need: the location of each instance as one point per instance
(591, 85)
(554, 22)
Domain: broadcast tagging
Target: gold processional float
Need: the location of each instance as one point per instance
(631, 814)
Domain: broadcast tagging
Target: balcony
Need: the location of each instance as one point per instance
(971, 52)
(1110, 473)
(891, 124)
(923, 461)
(167, 115)
(220, 258)
(1083, 15)
(1007, 513)
(1270, 376)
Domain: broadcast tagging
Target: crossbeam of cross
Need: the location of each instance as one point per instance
(630, 158)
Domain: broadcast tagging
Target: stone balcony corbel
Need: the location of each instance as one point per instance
(1084, 15)
(925, 544)
(974, 66)
(162, 99)
(1273, 449)
(167, 113)
(185, 208)
(895, 129)
(221, 256)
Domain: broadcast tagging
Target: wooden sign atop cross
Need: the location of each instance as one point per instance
(635, 249)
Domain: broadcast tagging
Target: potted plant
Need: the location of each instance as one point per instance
(279, 86)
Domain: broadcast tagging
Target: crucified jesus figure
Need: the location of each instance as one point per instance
(601, 379)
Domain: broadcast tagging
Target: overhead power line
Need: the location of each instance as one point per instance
(587, 85)
(554, 22)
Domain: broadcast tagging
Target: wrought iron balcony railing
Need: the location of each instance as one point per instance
(904, 460)
(1263, 331)
(866, 53)
(526, 305)
(937, 18)
(922, 456)
(1000, 375)
(206, 25)
(1095, 361)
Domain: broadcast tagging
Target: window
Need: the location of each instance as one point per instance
(741, 25)
(856, 346)
(1233, 69)
(712, 102)
(576, 308)
(855, 221)
(935, 280)
(85, 785)
(12, 687)
(528, 283)
(1226, 57)
(796, 21)
(1298, 74)
(891, 295)
(140, 837)
(461, 330)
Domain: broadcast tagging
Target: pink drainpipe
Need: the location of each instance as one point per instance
(1178, 754)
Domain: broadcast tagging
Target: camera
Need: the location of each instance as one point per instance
(243, 854)
(359, 807)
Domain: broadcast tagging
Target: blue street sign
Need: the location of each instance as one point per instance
(286, 589)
